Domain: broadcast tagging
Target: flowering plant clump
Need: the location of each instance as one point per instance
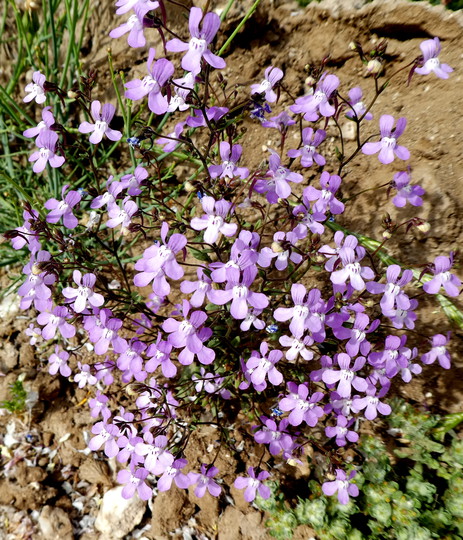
(199, 303)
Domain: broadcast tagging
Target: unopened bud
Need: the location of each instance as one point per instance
(374, 66)
(277, 248)
(386, 235)
(352, 46)
(424, 226)
(72, 94)
(189, 187)
(310, 81)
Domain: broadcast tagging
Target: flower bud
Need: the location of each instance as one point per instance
(72, 94)
(277, 248)
(424, 226)
(374, 66)
(386, 235)
(189, 187)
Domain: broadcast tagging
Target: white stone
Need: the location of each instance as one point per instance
(118, 516)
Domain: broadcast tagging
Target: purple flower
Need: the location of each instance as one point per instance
(253, 484)
(341, 485)
(35, 89)
(325, 198)
(36, 287)
(443, 278)
(109, 197)
(121, 215)
(59, 361)
(47, 121)
(84, 292)
(46, 152)
(101, 126)
(214, 219)
(271, 77)
(399, 317)
(204, 480)
(63, 208)
(252, 320)
(341, 431)
(35, 334)
(105, 434)
(56, 320)
(228, 167)
(240, 295)
(352, 270)
(159, 261)
(182, 88)
(123, 6)
(317, 102)
(198, 45)
(297, 347)
(263, 366)
(346, 377)
(213, 114)
(371, 403)
(275, 183)
(26, 235)
(159, 73)
(393, 293)
(159, 355)
(406, 192)
(387, 146)
(302, 409)
(199, 288)
(281, 250)
(171, 142)
(173, 474)
(85, 376)
(281, 122)
(357, 334)
(156, 458)
(357, 107)
(134, 26)
(431, 49)
(277, 439)
(438, 351)
(309, 152)
(132, 181)
(135, 481)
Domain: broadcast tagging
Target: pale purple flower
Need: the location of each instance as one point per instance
(302, 408)
(199, 288)
(173, 474)
(240, 295)
(123, 6)
(318, 102)
(253, 485)
(371, 403)
(121, 215)
(35, 334)
(342, 432)
(135, 481)
(325, 198)
(308, 152)
(346, 377)
(171, 142)
(27, 236)
(46, 152)
(101, 127)
(438, 351)
(297, 347)
(84, 292)
(36, 288)
(230, 159)
(84, 376)
(352, 270)
(387, 146)
(132, 181)
(134, 26)
(357, 334)
(213, 114)
(156, 458)
(275, 182)
(405, 191)
(214, 219)
(271, 77)
(393, 294)
(56, 320)
(44, 125)
(109, 336)
(105, 434)
(210, 383)
(109, 197)
(204, 480)
(431, 49)
(400, 317)
(281, 122)
(182, 88)
(357, 108)
(58, 361)
(242, 256)
(198, 46)
(252, 319)
(63, 209)
(263, 366)
(159, 73)
(159, 355)
(35, 89)
(342, 485)
(276, 437)
(98, 406)
(443, 278)
(281, 250)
